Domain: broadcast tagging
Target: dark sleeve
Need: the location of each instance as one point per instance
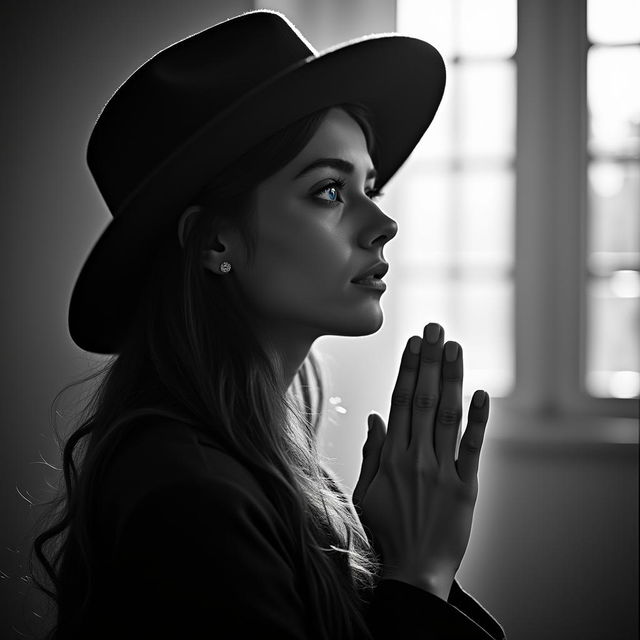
(400, 610)
(212, 560)
(466, 603)
(203, 561)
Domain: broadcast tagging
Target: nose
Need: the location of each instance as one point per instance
(378, 228)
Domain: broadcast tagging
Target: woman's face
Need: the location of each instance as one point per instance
(314, 237)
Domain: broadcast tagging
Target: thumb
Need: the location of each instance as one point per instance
(370, 457)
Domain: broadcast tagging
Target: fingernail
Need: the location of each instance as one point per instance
(478, 399)
(414, 344)
(451, 351)
(432, 333)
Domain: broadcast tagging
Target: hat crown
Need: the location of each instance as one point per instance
(180, 90)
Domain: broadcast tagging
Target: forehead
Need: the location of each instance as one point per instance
(338, 136)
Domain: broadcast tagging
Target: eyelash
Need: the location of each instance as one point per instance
(340, 183)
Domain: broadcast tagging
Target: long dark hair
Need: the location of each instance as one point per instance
(190, 355)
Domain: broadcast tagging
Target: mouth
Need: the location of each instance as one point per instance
(373, 274)
(372, 282)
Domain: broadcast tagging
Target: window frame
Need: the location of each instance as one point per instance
(551, 214)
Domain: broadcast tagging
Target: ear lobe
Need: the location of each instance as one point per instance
(210, 260)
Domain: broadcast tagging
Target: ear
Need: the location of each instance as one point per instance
(185, 221)
(211, 258)
(225, 246)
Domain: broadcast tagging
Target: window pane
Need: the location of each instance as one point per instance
(613, 21)
(487, 28)
(614, 207)
(484, 313)
(613, 346)
(614, 100)
(424, 217)
(430, 20)
(462, 27)
(485, 230)
(486, 103)
(476, 313)
(455, 200)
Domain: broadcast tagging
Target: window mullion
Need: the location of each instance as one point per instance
(570, 108)
(550, 149)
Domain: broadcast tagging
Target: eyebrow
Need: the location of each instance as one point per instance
(335, 163)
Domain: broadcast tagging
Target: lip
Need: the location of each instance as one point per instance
(379, 268)
(375, 284)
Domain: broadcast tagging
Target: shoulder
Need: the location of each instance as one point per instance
(157, 451)
(171, 463)
(205, 545)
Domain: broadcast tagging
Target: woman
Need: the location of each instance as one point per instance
(242, 170)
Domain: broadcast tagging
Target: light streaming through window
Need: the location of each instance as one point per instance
(612, 362)
(456, 195)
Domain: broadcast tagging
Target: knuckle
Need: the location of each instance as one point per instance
(428, 471)
(400, 398)
(446, 482)
(449, 417)
(470, 446)
(471, 491)
(466, 493)
(461, 492)
(425, 400)
(407, 365)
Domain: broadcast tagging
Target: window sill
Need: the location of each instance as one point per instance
(510, 426)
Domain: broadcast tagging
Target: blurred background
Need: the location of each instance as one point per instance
(519, 232)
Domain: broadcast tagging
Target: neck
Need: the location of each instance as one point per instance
(289, 348)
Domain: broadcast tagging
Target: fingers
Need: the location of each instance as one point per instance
(398, 429)
(427, 393)
(426, 407)
(370, 457)
(450, 407)
(471, 442)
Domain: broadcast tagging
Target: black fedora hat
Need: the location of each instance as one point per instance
(200, 104)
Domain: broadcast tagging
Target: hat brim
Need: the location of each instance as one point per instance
(398, 78)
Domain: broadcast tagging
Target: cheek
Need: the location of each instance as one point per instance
(298, 265)
(304, 252)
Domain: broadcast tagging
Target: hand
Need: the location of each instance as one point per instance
(413, 497)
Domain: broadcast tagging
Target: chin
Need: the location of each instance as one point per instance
(362, 323)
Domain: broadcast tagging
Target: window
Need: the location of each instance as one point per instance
(495, 217)
(613, 239)
(529, 184)
(456, 193)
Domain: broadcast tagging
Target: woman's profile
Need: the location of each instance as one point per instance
(242, 169)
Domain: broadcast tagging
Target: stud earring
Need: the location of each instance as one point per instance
(225, 267)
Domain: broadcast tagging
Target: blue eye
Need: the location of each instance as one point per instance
(332, 192)
(332, 189)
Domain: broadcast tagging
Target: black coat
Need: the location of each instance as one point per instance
(194, 548)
